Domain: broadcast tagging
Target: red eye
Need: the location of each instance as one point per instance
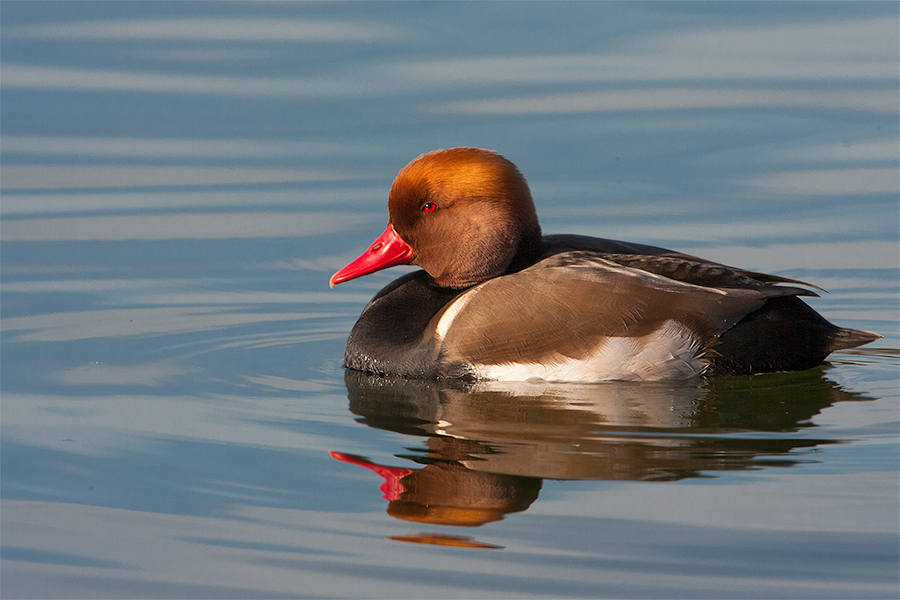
(429, 207)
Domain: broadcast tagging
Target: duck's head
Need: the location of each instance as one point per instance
(464, 215)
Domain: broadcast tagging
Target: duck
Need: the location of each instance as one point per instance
(495, 299)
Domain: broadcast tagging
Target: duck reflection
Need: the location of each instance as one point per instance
(447, 491)
(490, 445)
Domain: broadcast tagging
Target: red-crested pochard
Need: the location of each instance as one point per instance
(497, 300)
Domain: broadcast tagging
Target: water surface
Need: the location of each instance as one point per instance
(179, 180)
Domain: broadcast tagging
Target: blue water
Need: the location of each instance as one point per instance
(179, 181)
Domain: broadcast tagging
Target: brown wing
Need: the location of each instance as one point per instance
(669, 263)
(568, 303)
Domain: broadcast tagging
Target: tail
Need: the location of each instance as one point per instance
(784, 335)
(851, 338)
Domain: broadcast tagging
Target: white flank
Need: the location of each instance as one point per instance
(451, 311)
(671, 352)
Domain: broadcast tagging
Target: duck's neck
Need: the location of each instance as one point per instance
(528, 252)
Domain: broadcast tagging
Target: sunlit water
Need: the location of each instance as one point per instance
(180, 180)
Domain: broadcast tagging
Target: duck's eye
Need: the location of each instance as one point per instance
(429, 207)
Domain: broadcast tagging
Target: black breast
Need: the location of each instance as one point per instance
(390, 336)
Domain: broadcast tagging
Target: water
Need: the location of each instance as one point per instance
(179, 180)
